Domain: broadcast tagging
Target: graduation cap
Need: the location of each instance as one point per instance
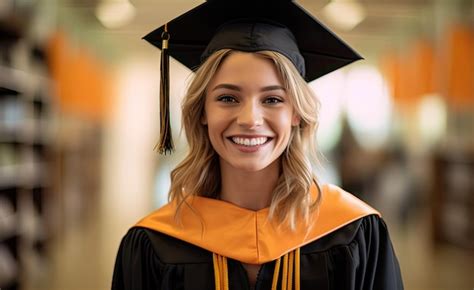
(277, 25)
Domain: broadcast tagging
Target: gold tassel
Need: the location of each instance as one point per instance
(166, 140)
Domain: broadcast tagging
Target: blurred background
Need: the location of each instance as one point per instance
(79, 120)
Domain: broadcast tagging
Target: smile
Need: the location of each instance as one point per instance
(250, 141)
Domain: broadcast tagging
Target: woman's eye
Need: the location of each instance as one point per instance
(227, 99)
(273, 100)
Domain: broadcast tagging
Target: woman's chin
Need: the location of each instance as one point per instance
(244, 165)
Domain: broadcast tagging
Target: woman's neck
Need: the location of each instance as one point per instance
(250, 190)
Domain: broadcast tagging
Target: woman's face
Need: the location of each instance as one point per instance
(248, 112)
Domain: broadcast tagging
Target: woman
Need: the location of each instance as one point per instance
(246, 211)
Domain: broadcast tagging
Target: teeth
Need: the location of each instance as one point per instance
(249, 141)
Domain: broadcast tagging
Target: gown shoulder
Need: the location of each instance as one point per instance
(148, 259)
(357, 256)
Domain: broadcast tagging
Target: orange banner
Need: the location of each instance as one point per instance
(81, 82)
(458, 66)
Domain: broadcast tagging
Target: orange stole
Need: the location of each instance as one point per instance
(248, 236)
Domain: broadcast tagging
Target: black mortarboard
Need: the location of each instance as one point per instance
(277, 25)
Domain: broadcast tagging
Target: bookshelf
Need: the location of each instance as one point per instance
(453, 198)
(25, 156)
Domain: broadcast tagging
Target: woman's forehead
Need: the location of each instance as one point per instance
(246, 70)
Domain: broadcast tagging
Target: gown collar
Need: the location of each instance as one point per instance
(249, 236)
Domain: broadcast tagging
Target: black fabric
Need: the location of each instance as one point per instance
(252, 35)
(190, 34)
(358, 256)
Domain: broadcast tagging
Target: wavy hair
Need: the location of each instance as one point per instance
(199, 172)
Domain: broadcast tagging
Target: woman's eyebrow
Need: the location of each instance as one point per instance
(272, 88)
(237, 88)
(227, 86)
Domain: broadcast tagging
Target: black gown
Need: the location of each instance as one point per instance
(357, 256)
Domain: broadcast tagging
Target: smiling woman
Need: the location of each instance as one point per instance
(246, 211)
(249, 96)
(249, 119)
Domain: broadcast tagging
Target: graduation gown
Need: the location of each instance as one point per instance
(347, 246)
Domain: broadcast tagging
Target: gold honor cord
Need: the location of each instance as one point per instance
(291, 269)
(284, 277)
(221, 275)
(217, 272)
(297, 269)
(276, 273)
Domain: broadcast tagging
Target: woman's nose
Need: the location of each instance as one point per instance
(250, 115)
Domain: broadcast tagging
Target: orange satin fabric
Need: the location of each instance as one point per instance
(248, 236)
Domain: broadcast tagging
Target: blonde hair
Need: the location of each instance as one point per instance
(199, 172)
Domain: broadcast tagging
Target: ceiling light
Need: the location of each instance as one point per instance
(115, 13)
(344, 14)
